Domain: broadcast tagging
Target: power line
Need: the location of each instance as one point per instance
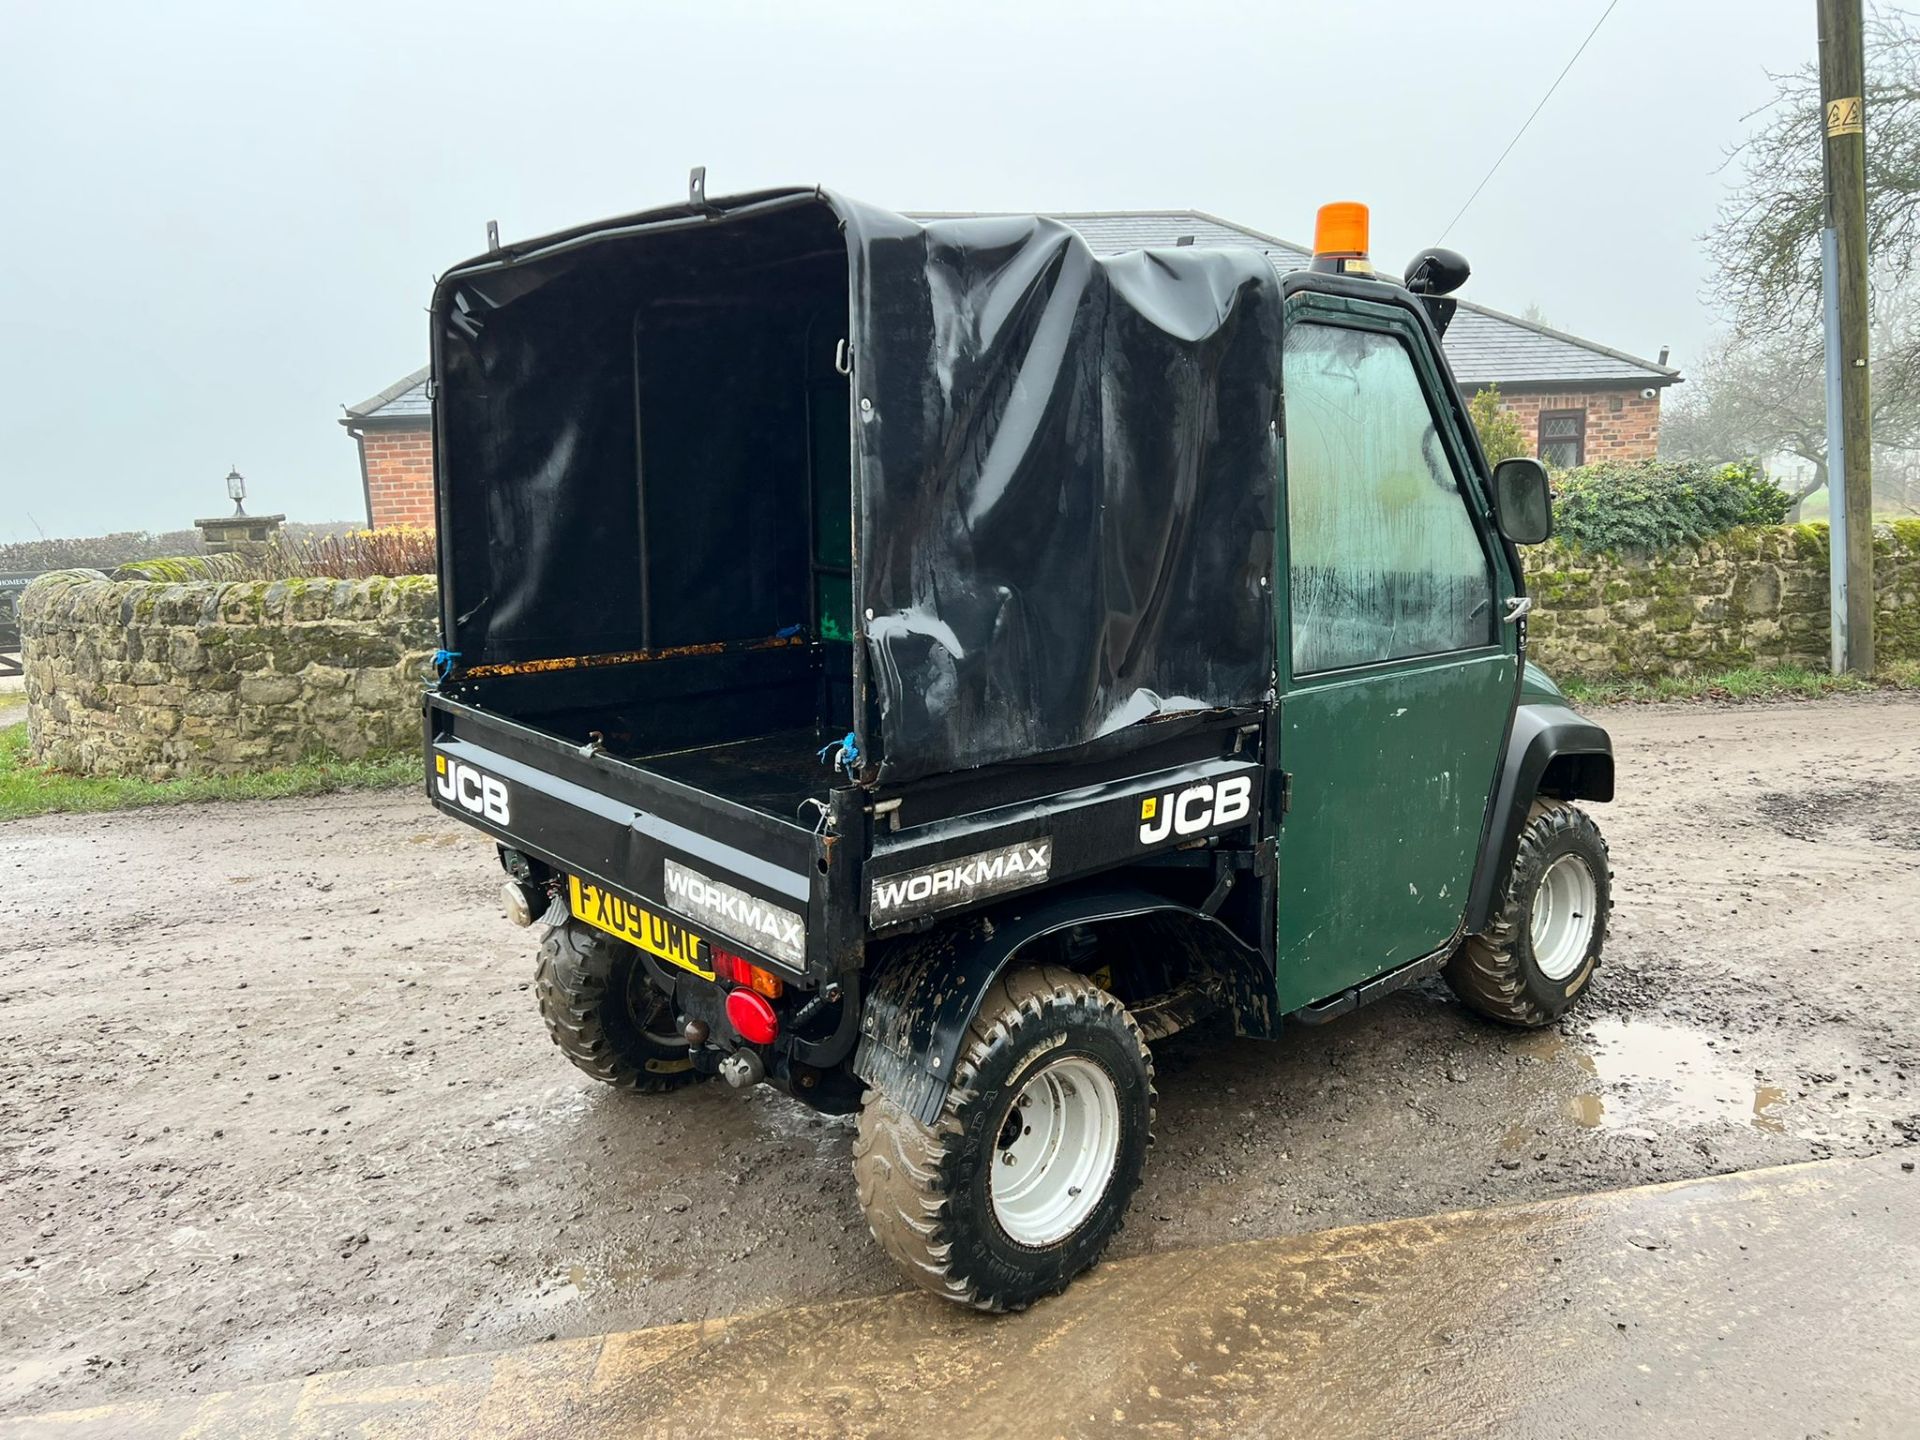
(1529, 120)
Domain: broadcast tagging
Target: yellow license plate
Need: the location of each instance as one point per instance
(637, 925)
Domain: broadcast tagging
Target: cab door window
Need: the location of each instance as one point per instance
(1385, 560)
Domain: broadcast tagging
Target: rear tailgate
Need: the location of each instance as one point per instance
(643, 848)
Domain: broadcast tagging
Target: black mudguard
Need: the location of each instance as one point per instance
(921, 1003)
(1552, 751)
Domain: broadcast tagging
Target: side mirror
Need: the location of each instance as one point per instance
(1437, 272)
(1433, 276)
(1522, 501)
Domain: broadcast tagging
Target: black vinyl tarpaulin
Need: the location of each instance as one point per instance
(1065, 490)
(1062, 467)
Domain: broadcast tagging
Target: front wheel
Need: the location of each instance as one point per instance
(1026, 1173)
(1544, 941)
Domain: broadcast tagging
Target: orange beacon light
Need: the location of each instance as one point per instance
(1340, 238)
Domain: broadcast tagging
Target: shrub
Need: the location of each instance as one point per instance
(1500, 434)
(354, 555)
(1650, 505)
(123, 547)
(97, 552)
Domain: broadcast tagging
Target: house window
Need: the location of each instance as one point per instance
(1563, 437)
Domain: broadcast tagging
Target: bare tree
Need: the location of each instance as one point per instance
(1767, 239)
(1753, 397)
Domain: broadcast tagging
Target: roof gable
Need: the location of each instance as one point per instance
(405, 399)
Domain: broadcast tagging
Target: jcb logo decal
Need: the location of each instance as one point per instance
(470, 790)
(1196, 809)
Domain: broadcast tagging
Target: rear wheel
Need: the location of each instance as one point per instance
(1026, 1173)
(606, 1016)
(1541, 948)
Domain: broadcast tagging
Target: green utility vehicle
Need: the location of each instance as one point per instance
(920, 666)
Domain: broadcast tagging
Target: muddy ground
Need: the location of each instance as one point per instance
(274, 1096)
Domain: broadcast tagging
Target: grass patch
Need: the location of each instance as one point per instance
(28, 789)
(1781, 682)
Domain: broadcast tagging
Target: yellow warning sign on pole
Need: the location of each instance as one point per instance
(1845, 117)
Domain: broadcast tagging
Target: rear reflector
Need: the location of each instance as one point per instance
(752, 1017)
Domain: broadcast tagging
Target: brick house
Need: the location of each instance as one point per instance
(1576, 400)
(394, 431)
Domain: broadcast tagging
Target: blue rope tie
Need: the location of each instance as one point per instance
(441, 662)
(843, 753)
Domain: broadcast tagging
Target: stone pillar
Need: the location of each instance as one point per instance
(229, 533)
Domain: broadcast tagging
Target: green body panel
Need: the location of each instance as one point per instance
(1537, 687)
(1391, 765)
(1391, 774)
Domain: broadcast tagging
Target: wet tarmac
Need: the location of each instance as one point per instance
(1777, 1303)
(275, 1100)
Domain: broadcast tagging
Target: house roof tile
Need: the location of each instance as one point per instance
(406, 398)
(1484, 346)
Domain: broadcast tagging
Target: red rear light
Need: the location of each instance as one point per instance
(737, 971)
(752, 1017)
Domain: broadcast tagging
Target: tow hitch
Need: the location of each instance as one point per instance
(743, 1069)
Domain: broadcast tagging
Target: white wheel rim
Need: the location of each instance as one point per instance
(1565, 908)
(1056, 1153)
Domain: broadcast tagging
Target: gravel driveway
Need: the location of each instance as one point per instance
(274, 1096)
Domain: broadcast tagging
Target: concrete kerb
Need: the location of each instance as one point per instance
(1702, 1304)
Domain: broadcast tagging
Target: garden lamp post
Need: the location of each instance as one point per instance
(238, 531)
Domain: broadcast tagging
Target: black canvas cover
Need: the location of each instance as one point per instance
(1063, 491)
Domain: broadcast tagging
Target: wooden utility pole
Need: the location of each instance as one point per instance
(1843, 90)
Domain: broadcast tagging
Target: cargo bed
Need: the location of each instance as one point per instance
(617, 823)
(776, 774)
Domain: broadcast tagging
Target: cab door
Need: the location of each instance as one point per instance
(1397, 674)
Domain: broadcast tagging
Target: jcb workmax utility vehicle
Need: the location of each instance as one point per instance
(919, 666)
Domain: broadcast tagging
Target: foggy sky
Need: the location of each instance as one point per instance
(219, 222)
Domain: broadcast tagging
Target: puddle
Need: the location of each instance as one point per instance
(788, 1119)
(616, 1276)
(1881, 812)
(558, 1106)
(1649, 1074)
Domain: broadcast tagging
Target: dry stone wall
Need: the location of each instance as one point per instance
(154, 679)
(1755, 597)
(160, 680)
